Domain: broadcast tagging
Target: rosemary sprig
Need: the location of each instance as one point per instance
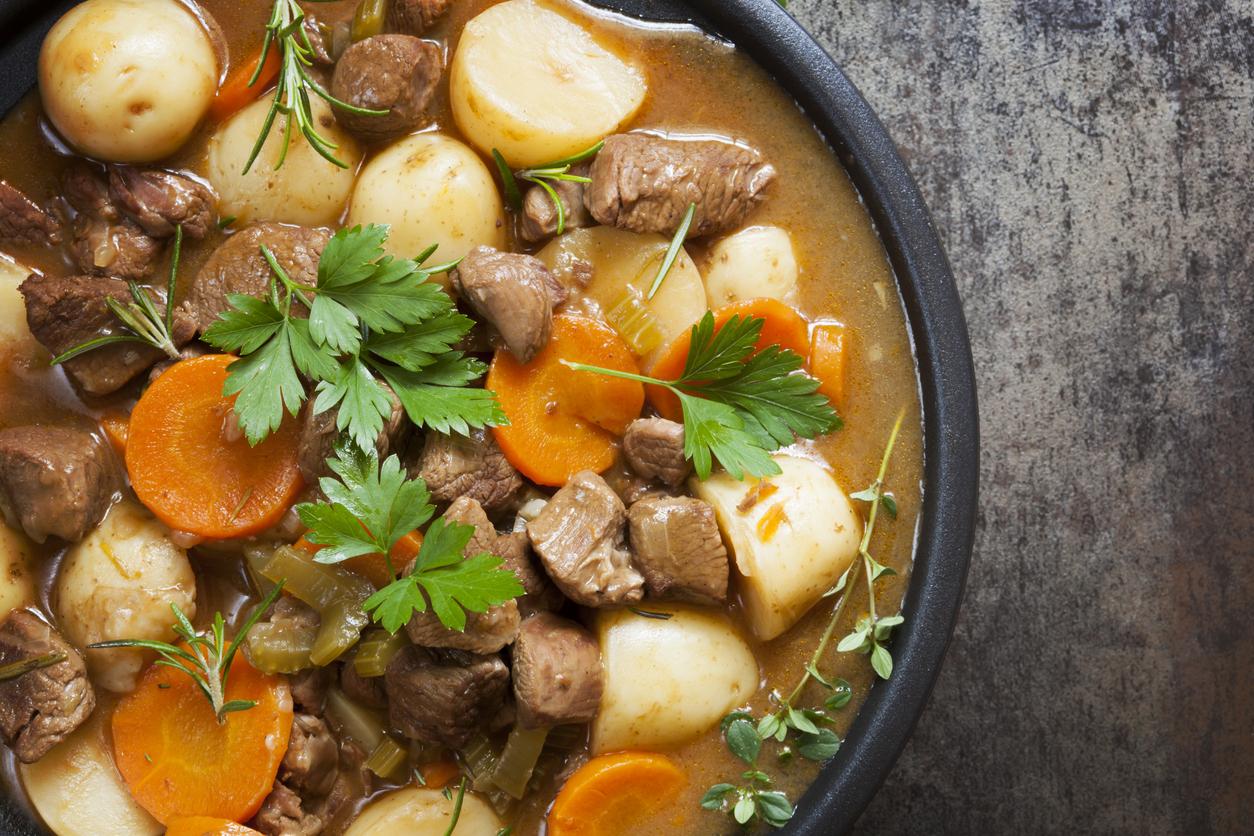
(672, 252)
(24, 666)
(207, 657)
(457, 806)
(141, 318)
(544, 176)
(285, 31)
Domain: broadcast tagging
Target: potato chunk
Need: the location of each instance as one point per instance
(424, 812)
(14, 333)
(754, 263)
(17, 583)
(791, 538)
(667, 681)
(537, 86)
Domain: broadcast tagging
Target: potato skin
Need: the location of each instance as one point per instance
(123, 92)
(754, 263)
(423, 812)
(17, 581)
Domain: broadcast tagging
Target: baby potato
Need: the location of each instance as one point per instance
(754, 263)
(118, 583)
(624, 265)
(307, 189)
(13, 330)
(424, 812)
(537, 86)
(78, 791)
(431, 190)
(127, 80)
(17, 586)
(667, 681)
(790, 546)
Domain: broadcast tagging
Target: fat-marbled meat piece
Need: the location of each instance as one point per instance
(579, 537)
(644, 183)
(540, 593)
(312, 756)
(538, 220)
(318, 434)
(467, 465)
(444, 700)
(22, 221)
(104, 240)
(413, 17)
(42, 706)
(556, 672)
(394, 73)
(159, 200)
(56, 481)
(654, 447)
(676, 544)
(65, 311)
(512, 291)
(237, 266)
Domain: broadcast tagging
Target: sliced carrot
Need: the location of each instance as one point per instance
(116, 428)
(563, 421)
(783, 326)
(829, 357)
(235, 92)
(373, 567)
(193, 478)
(610, 795)
(176, 758)
(207, 826)
(438, 774)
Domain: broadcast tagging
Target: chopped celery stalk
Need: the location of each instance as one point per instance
(631, 317)
(480, 759)
(256, 556)
(376, 650)
(336, 594)
(567, 738)
(341, 626)
(280, 648)
(368, 19)
(387, 760)
(359, 723)
(522, 750)
(502, 803)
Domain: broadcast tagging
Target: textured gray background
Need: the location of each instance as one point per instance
(1090, 166)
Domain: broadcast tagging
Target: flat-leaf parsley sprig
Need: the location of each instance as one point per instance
(373, 319)
(370, 508)
(739, 406)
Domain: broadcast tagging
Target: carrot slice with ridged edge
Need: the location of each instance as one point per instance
(611, 794)
(562, 421)
(178, 761)
(208, 826)
(194, 478)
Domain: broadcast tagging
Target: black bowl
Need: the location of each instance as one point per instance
(934, 312)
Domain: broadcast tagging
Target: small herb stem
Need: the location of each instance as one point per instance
(640, 378)
(24, 666)
(672, 252)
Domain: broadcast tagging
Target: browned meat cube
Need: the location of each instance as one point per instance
(312, 756)
(541, 595)
(472, 466)
(39, 708)
(366, 690)
(56, 481)
(395, 73)
(22, 221)
(160, 200)
(512, 291)
(580, 539)
(538, 220)
(413, 17)
(654, 447)
(318, 434)
(677, 546)
(444, 701)
(644, 183)
(105, 241)
(557, 672)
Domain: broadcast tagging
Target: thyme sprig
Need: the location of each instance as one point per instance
(207, 657)
(544, 176)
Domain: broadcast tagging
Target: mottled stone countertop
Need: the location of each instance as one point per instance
(1090, 166)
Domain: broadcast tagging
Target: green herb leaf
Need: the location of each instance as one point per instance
(743, 741)
(890, 504)
(364, 405)
(672, 252)
(438, 396)
(716, 795)
(881, 661)
(842, 693)
(774, 808)
(744, 809)
(819, 746)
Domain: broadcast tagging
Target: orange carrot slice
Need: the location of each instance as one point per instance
(438, 774)
(373, 567)
(563, 421)
(116, 428)
(611, 794)
(829, 358)
(235, 92)
(191, 476)
(207, 826)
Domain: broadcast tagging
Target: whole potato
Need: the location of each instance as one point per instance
(424, 812)
(14, 334)
(307, 189)
(119, 583)
(127, 80)
(431, 190)
(754, 263)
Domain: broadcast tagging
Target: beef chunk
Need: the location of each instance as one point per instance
(472, 466)
(22, 221)
(161, 200)
(396, 73)
(309, 687)
(557, 672)
(312, 757)
(281, 814)
(65, 311)
(541, 595)
(319, 37)
(644, 183)
(41, 707)
(237, 266)
(413, 17)
(511, 291)
(188, 352)
(539, 216)
(676, 543)
(104, 240)
(56, 481)
(579, 537)
(444, 701)
(654, 447)
(367, 690)
(318, 434)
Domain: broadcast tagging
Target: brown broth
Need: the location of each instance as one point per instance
(696, 85)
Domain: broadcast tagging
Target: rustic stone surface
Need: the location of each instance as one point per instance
(1090, 164)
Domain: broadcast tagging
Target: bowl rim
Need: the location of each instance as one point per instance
(946, 374)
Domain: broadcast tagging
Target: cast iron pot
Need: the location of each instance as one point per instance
(934, 311)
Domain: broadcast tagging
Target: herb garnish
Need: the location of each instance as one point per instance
(143, 321)
(24, 666)
(207, 657)
(372, 318)
(285, 31)
(370, 508)
(457, 806)
(737, 407)
(672, 252)
(543, 176)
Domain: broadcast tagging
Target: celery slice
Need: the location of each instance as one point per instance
(387, 760)
(514, 768)
(376, 650)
